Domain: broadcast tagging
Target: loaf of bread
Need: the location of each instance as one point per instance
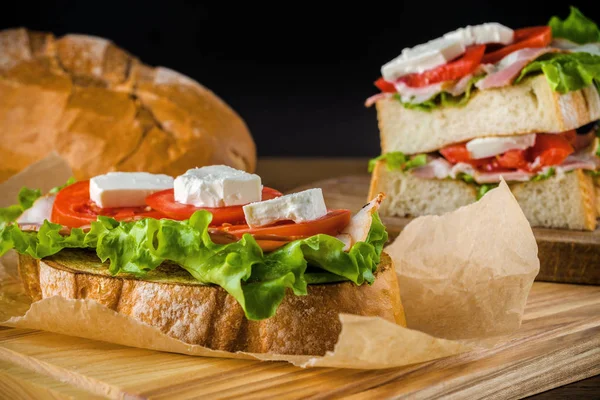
(169, 299)
(103, 110)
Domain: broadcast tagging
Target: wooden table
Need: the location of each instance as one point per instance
(288, 173)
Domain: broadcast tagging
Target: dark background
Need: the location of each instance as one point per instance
(298, 73)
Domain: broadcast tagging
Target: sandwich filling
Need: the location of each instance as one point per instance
(484, 161)
(219, 224)
(447, 71)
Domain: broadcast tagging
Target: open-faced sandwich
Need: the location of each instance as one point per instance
(483, 102)
(211, 257)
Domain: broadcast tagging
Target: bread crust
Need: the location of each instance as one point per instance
(208, 315)
(529, 107)
(103, 110)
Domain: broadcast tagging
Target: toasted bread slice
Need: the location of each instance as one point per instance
(172, 301)
(562, 201)
(529, 107)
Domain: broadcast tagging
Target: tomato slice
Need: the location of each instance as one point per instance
(456, 153)
(536, 36)
(457, 69)
(331, 224)
(552, 149)
(164, 201)
(74, 208)
(513, 159)
(385, 86)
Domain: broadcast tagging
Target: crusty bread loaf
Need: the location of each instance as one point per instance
(172, 301)
(103, 110)
(529, 107)
(562, 201)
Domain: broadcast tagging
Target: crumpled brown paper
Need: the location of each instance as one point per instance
(467, 274)
(364, 342)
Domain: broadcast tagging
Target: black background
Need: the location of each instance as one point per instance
(298, 73)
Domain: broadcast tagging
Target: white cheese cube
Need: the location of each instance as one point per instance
(491, 32)
(126, 189)
(422, 58)
(442, 50)
(491, 146)
(217, 186)
(298, 207)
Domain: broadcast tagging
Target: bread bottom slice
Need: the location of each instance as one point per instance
(563, 201)
(182, 308)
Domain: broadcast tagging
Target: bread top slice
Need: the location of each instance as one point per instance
(529, 107)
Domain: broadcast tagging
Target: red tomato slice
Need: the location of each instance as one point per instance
(385, 86)
(536, 36)
(331, 224)
(462, 66)
(74, 208)
(513, 159)
(164, 202)
(456, 153)
(551, 149)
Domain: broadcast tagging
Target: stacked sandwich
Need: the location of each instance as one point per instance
(211, 257)
(485, 102)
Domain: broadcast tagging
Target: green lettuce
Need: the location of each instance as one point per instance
(483, 189)
(566, 72)
(443, 99)
(257, 280)
(26, 198)
(396, 160)
(576, 28)
(544, 175)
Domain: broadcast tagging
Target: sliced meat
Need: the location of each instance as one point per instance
(510, 67)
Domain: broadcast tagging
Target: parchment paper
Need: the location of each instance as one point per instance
(364, 342)
(467, 274)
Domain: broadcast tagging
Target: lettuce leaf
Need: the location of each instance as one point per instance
(566, 72)
(443, 99)
(576, 28)
(26, 198)
(396, 160)
(257, 280)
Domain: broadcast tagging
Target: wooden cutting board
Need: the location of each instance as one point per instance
(565, 256)
(558, 343)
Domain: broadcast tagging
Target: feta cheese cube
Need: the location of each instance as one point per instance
(126, 189)
(444, 49)
(422, 58)
(491, 32)
(217, 186)
(298, 207)
(491, 146)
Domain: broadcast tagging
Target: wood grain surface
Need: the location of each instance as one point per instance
(565, 256)
(558, 343)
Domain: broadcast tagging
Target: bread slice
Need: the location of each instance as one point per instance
(530, 107)
(562, 201)
(172, 301)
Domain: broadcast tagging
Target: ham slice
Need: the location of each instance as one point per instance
(418, 95)
(376, 97)
(494, 177)
(39, 211)
(510, 67)
(438, 168)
